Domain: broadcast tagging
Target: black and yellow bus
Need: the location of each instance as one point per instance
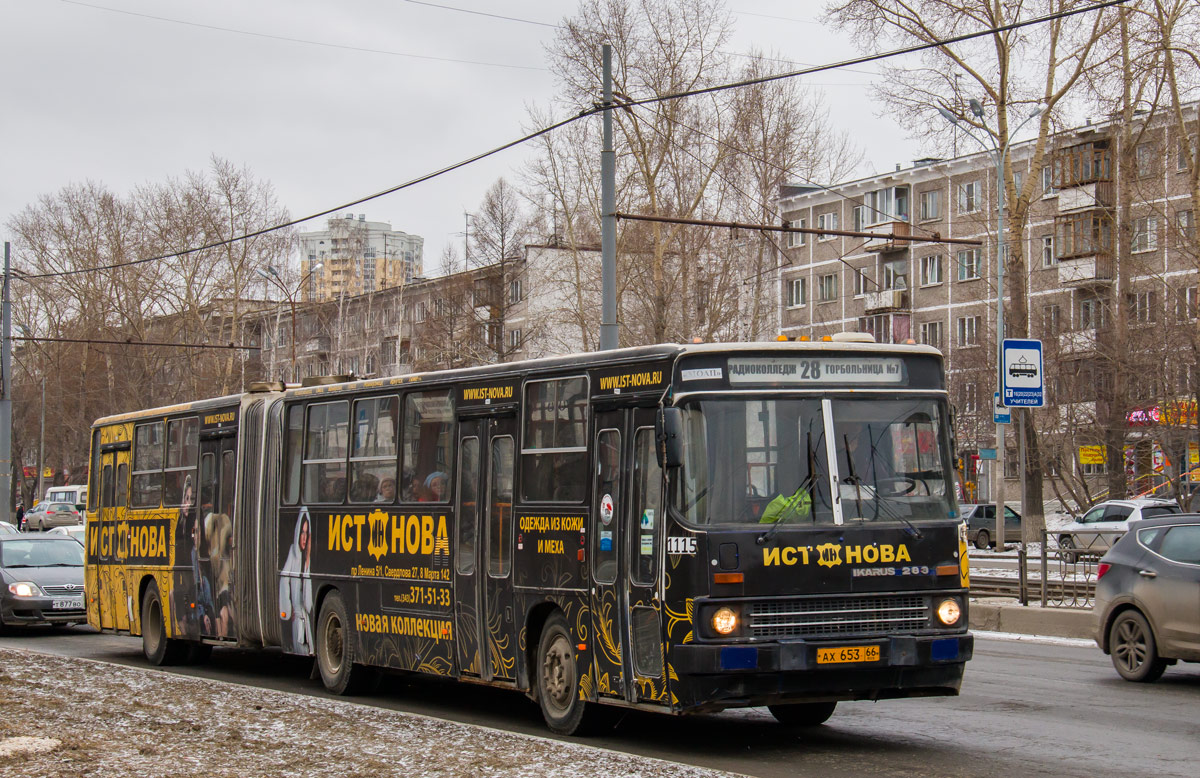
(673, 528)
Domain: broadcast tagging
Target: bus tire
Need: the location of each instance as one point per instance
(158, 648)
(803, 714)
(558, 681)
(336, 644)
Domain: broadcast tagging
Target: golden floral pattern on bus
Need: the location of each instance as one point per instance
(675, 618)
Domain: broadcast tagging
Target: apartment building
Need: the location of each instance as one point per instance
(1111, 273)
(354, 256)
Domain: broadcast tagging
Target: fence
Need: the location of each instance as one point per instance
(1066, 570)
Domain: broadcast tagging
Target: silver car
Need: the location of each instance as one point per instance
(47, 515)
(1148, 597)
(1104, 523)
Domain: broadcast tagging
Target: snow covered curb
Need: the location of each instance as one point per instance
(116, 720)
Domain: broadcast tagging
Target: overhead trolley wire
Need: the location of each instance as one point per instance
(594, 109)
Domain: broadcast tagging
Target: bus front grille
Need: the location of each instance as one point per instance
(834, 616)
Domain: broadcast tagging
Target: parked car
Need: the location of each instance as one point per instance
(41, 580)
(1148, 597)
(981, 523)
(1100, 527)
(77, 532)
(8, 529)
(46, 515)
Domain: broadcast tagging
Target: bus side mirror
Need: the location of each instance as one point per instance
(668, 432)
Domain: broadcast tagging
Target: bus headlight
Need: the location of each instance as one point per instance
(724, 621)
(949, 612)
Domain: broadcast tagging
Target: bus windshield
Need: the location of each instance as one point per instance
(767, 460)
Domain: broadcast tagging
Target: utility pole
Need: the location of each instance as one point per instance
(608, 218)
(6, 465)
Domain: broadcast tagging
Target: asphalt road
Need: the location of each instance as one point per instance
(1026, 709)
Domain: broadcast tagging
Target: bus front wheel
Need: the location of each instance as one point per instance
(558, 681)
(158, 648)
(336, 648)
(803, 714)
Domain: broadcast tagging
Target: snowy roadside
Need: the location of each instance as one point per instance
(65, 716)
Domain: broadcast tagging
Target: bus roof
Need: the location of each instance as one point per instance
(585, 360)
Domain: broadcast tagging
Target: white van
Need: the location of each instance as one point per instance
(76, 495)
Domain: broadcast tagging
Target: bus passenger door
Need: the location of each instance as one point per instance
(644, 532)
(213, 536)
(106, 595)
(467, 626)
(498, 519)
(608, 580)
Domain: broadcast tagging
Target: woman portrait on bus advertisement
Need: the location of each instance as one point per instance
(295, 589)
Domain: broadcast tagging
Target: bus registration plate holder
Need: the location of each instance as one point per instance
(846, 654)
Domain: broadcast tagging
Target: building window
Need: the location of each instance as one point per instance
(1083, 164)
(797, 292)
(931, 271)
(827, 287)
(1048, 258)
(895, 274)
(1145, 234)
(515, 293)
(1145, 154)
(1091, 314)
(796, 239)
(1143, 307)
(1099, 468)
(858, 217)
(931, 205)
(514, 340)
(968, 197)
(1078, 235)
(1050, 320)
(1187, 308)
(1186, 225)
(1181, 158)
(931, 333)
(885, 205)
(827, 221)
(970, 261)
(968, 331)
(970, 398)
(861, 283)
(1048, 181)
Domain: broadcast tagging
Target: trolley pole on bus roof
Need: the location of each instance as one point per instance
(608, 218)
(6, 467)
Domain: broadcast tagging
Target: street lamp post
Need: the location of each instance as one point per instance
(998, 154)
(272, 275)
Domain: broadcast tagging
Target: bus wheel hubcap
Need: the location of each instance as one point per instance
(333, 644)
(558, 673)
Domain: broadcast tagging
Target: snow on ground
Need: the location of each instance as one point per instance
(66, 717)
(1049, 640)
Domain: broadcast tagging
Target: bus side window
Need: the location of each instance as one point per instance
(468, 500)
(148, 449)
(106, 489)
(608, 508)
(554, 445)
(93, 493)
(292, 450)
(326, 444)
(647, 513)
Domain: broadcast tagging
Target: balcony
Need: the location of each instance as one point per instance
(1098, 194)
(1093, 270)
(885, 242)
(318, 343)
(885, 301)
(1079, 344)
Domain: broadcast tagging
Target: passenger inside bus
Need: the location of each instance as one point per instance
(435, 487)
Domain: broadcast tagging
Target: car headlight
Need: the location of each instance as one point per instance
(724, 621)
(25, 589)
(949, 612)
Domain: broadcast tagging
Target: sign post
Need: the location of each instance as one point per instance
(1023, 385)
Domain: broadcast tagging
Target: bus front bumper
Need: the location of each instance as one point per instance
(712, 677)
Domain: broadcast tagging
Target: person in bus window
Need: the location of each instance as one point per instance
(435, 487)
(295, 590)
(387, 490)
(219, 533)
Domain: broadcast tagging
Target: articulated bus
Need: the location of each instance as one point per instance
(673, 528)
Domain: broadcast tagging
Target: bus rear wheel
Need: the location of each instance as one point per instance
(336, 644)
(158, 648)
(803, 714)
(558, 681)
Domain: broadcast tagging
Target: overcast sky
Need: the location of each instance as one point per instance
(328, 101)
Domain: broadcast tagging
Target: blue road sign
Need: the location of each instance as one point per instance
(1000, 414)
(1022, 376)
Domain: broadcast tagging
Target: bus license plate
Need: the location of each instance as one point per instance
(830, 656)
(68, 603)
